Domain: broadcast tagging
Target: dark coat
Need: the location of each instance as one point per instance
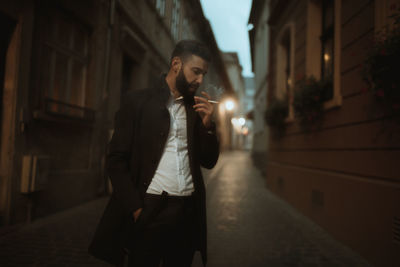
(141, 129)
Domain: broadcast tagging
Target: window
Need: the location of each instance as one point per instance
(64, 64)
(327, 43)
(128, 73)
(285, 65)
(160, 6)
(175, 19)
(323, 39)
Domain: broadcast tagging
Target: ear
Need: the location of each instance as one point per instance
(176, 64)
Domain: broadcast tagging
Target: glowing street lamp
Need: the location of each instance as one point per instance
(229, 104)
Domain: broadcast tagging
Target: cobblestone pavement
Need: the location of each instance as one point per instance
(247, 226)
(250, 226)
(59, 240)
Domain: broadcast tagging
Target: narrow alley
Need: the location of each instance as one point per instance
(247, 226)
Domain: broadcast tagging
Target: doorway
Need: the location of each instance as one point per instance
(7, 51)
(129, 73)
(7, 27)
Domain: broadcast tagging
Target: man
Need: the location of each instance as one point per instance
(162, 135)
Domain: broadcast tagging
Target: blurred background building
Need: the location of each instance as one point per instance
(259, 47)
(234, 70)
(65, 65)
(248, 107)
(241, 117)
(343, 174)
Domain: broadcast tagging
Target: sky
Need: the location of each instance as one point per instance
(228, 19)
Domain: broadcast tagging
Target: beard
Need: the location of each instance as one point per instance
(186, 89)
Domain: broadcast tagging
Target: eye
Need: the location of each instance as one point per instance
(197, 71)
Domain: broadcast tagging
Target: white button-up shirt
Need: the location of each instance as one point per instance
(173, 172)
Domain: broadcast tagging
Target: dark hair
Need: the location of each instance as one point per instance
(185, 48)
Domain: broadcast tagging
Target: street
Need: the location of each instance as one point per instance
(247, 226)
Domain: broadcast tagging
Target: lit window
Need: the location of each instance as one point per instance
(327, 44)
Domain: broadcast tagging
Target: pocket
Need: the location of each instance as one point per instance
(149, 212)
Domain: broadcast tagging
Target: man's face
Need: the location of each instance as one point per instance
(190, 76)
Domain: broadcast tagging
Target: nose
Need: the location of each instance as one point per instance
(200, 78)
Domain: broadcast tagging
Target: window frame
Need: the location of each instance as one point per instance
(313, 64)
(175, 18)
(47, 105)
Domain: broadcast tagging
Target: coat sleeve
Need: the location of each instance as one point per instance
(118, 157)
(209, 145)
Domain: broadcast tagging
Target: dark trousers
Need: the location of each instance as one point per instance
(165, 232)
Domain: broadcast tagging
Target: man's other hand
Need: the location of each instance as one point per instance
(136, 214)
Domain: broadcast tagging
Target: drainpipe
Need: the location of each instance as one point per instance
(105, 90)
(108, 48)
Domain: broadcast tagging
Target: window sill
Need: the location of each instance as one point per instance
(41, 115)
(333, 103)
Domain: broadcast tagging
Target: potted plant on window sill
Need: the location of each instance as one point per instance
(308, 103)
(276, 116)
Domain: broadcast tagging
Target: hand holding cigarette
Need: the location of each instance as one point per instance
(204, 107)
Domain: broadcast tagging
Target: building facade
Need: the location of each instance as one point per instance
(248, 104)
(65, 66)
(234, 70)
(342, 174)
(259, 46)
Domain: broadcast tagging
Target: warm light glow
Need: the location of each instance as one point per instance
(229, 105)
(327, 57)
(245, 131)
(238, 124)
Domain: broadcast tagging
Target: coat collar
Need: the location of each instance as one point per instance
(161, 89)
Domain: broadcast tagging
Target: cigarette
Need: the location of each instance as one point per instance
(209, 101)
